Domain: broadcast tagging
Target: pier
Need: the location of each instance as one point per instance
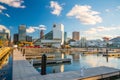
(112, 54)
(57, 61)
(23, 70)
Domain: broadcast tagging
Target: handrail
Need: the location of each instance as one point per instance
(4, 51)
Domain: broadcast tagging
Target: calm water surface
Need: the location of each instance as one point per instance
(6, 67)
(79, 61)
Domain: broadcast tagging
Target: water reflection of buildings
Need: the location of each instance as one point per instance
(59, 55)
(75, 56)
(4, 61)
(59, 68)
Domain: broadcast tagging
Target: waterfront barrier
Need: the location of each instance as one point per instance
(4, 61)
(4, 51)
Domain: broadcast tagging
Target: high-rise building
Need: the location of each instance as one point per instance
(5, 34)
(41, 34)
(54, 38)
(15, 38)
(4, 37)
(83, 42)
(65, 37)
(76, 36)
(29, 38)
(22, 33)
(58, 32)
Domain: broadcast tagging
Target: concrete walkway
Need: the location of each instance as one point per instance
(22, 70)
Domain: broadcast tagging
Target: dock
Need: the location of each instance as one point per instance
(56, 61)
(38, 56)
(112, 54)
(23, 70)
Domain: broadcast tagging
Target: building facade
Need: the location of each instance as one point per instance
(22, 33)
(58, 32)
(4, 38)
(65, 37)
(15, 38)
(54, 38)
(29, 38)
(41, 34)
(76, 36)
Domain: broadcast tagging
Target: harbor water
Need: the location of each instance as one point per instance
(79, 60)
(6, 67)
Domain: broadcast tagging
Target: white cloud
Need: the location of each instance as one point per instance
(100, 29)
(118, 8)
(2, 8)
(107, 10)
(13, 3)
(2, 27)
(1, 11)
(56, 8)
(42, 27)
(85, 14)
(32, 29)
(7, 15)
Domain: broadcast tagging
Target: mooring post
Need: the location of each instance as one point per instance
(23, 52)
(107, 51)
(43, 64)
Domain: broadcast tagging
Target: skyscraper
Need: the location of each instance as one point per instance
(22, 33)
(65, 37)
(4, 37)
(29, 38)
(15, 38)
(76, 36)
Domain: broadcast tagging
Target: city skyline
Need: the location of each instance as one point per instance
(93, 19)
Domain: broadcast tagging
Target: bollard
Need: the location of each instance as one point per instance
(23, 52)
(107, 51)
(43, 64)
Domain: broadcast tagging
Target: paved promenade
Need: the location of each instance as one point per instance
(22, 70)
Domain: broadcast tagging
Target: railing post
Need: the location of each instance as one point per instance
(43, 64)
(23, 52)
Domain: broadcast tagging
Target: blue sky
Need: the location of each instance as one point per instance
(94, 19)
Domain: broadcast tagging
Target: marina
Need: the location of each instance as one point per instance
(74, 66)
(23, 70)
